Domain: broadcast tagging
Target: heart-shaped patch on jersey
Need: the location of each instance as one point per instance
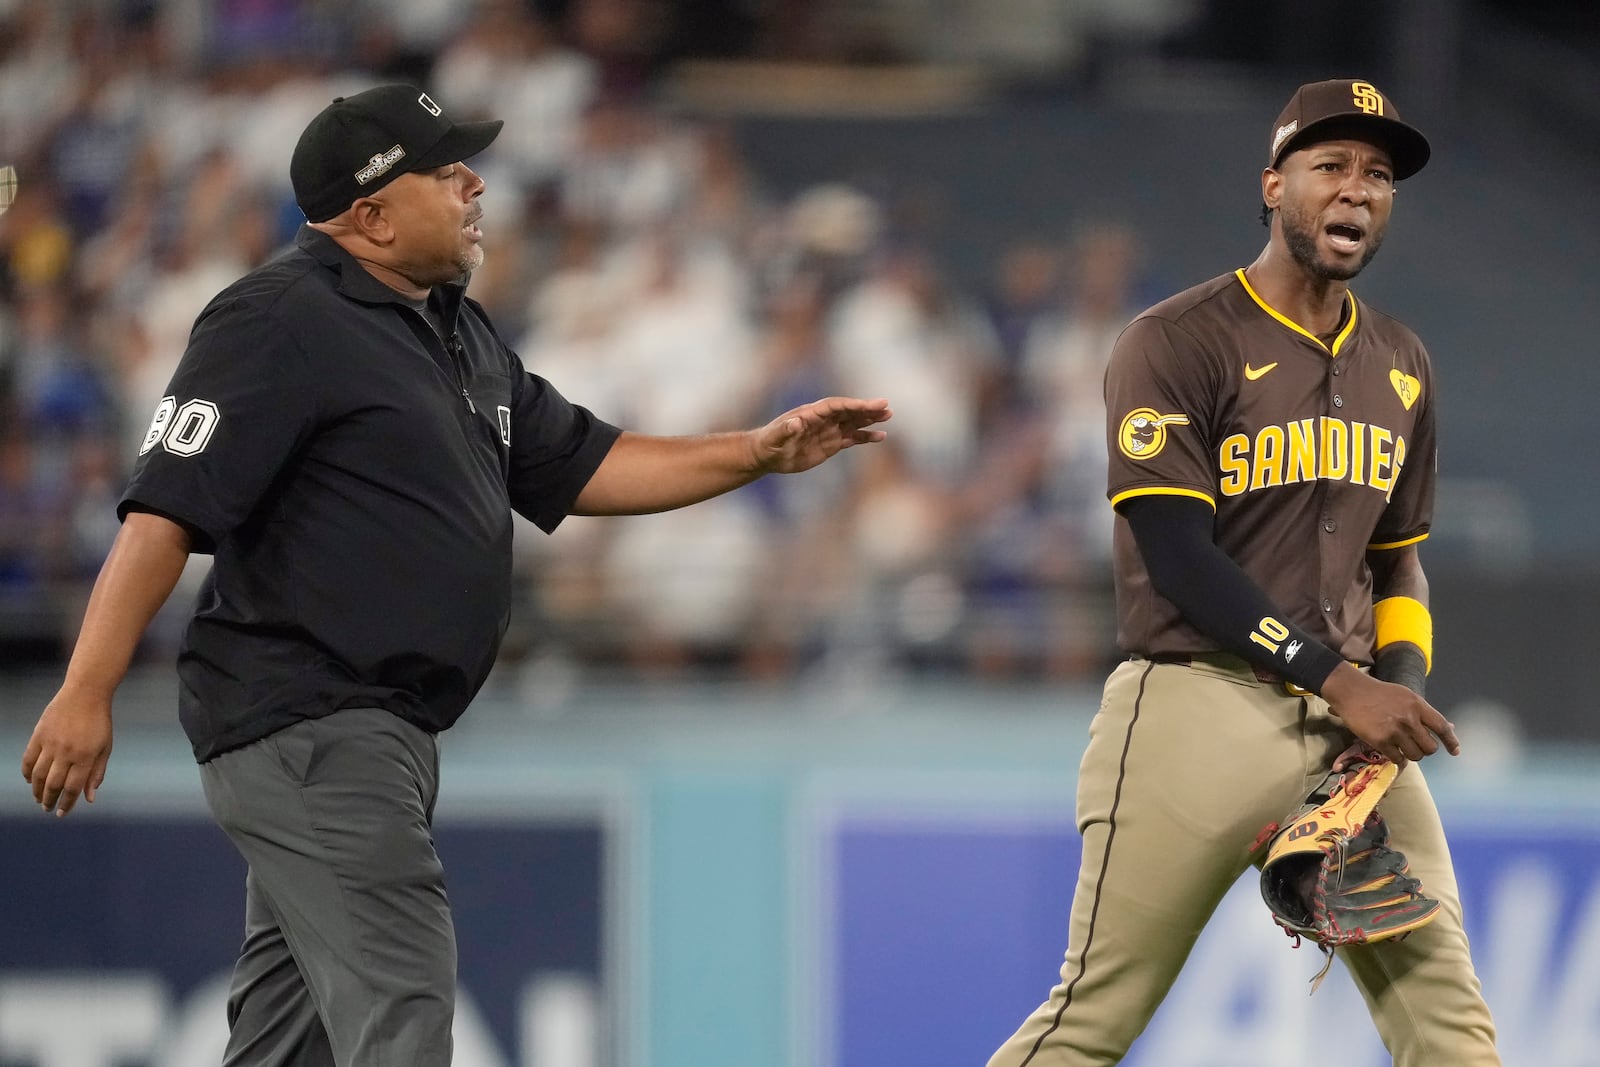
(1406, 385)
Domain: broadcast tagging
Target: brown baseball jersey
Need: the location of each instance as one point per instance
(1311, 450)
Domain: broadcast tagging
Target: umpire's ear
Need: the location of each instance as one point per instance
(372, 219)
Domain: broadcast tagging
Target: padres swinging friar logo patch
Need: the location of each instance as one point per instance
(1143, 433)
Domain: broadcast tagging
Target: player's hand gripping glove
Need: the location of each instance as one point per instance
(1330, 875)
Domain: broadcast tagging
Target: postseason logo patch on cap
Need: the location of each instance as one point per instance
(380, 164)
(1283, 134)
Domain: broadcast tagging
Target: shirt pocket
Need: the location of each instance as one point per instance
(491, 401)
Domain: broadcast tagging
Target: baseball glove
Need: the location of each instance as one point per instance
(1330, 876)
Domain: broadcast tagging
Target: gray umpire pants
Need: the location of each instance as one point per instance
(349, 954)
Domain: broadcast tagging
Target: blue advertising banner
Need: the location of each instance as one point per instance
(121, 934)
(946, 933)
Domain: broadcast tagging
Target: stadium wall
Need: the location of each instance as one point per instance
(715, 877)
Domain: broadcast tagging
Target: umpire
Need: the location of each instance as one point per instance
(347, 436)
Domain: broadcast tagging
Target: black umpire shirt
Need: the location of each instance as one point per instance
(353, 476)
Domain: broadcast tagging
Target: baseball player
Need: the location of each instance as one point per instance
(347, 435)
(1271, 444)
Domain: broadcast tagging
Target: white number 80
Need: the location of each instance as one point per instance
(183, 431)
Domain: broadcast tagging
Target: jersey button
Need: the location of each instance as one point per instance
(1329, 525)
(1336, 370)
(1338, 401)
(1327, 605)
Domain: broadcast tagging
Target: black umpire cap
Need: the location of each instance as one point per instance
(1329, 110)
(358, 144)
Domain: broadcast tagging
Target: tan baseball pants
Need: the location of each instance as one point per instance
(1186, 763)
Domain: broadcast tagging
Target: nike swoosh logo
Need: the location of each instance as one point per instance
(1256, 372)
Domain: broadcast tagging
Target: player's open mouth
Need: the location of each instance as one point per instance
(1345, 237)
(471, 227)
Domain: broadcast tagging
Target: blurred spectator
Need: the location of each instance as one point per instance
(84, 522)
(724, 205)
(1063, 369)
(241, 34)
(57, 389)
(683, 588)
(631, 167)
(1026, 289)
(23, 512)
(1027, 286)
(905, 331)
(399, 40)
(683, 339)
(35, 240)
(807, 557)
(623, 38)
(831, 231)
(116, 263)
(94, 148)
(573, 312)
(509, 61)
(37, 75)
(903, 529)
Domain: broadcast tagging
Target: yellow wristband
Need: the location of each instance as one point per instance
(1402, 618)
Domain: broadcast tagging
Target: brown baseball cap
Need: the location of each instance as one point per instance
(358, 144)
(1329, 110)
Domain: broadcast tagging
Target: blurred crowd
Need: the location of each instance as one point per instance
(637, 261)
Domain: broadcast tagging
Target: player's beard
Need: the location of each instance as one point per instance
(1300, 237)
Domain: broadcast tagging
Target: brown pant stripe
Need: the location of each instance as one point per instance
(1105, 865)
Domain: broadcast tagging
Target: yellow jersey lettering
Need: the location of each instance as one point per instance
(1399, 462)
(1358, 453)
(1335, 449)
(1302, 458)
(1307, 450)
(1379, 475)
(1235, 468)
(1268, 458)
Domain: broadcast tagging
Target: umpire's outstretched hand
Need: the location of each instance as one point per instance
(1391, 718)
(800, 439)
